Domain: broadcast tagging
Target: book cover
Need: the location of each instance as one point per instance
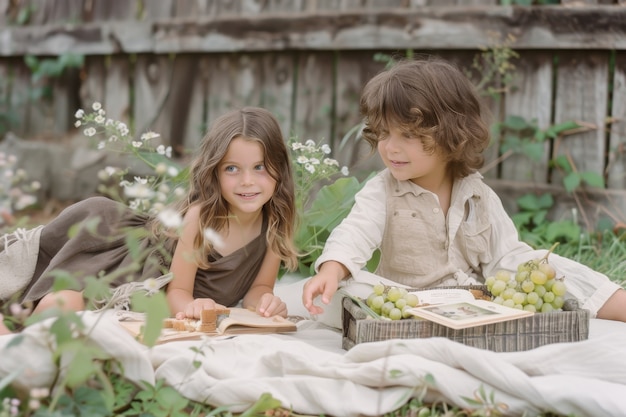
(468, 313)
(238, 321)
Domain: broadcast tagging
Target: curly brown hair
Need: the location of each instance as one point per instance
(433, 100)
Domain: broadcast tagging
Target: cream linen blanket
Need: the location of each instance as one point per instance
(310, 373)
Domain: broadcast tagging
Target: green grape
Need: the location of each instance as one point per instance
(549, 283)
(521, 276)
(539, 303)
(548, 297)
(498, 287)
(498, 300)
(530, 307)
(547, 269)
(405, 312)
(489, 281)
(378, 302)
(411, 300)
(508, 303)
(386, 308)
(395, 314)
(370, 299)
(538, 277)
(541, 290)
(519, 298)
(532, 298)
(558, 288)
(528, 286)
(393, 294)
(508, 293)
(503, 275)
(400, 303)
(547, 308)
(379, 289)
(558, 302)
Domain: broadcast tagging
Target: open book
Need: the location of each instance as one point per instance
(458, 309)
(237, 321)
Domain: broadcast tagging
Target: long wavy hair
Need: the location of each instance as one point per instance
(433, 100)
(258, 125)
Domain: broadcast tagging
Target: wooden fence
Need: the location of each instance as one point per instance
(172, 66)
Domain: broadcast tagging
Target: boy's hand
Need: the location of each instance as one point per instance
(321, 284)
(271, 305)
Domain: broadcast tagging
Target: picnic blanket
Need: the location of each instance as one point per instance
(310, 373)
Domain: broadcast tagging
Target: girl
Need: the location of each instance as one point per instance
(434, 220)
(238, 223)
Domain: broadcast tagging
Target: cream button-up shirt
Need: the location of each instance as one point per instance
(420, 247)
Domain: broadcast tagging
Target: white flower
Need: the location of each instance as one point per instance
(172, 171)
(101, 145)
(345, 171)
(213, 238)
(326, 149)
(90, 131)
(101, 112)
(137, 190)
(140, 180)
(310, 168)
(113, 138)
(77, 123)
(149, 135)
(96, 106)
(310, 143)
(302, 159)
(296, 146)
(109, 122)
(151, 286)
(314, 161)
(99, 119)
(137, 144)
(161, 168)
(122, 128)
(331, 162)
(79, 114)
(170, 218)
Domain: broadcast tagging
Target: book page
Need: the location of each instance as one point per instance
(464, 314)
(443, 295)
(242, 320)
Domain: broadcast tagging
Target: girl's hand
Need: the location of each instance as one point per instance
(194, 309)
(271, 305)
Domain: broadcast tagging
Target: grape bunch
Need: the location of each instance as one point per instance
(533, 287)
(391, 302)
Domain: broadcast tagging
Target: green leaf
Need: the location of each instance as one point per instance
(516, 123)
(571, 181)
(593, 179)
(156, 308)
(562, 162)
(528, 202)
(565, 230)
(533, 150)
(555, 130)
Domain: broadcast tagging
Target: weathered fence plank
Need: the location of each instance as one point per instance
(153, 79)
(436, 27)
(530, 97)
(314, 100)
(616, 170)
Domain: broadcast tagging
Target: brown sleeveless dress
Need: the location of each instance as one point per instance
(103, 249)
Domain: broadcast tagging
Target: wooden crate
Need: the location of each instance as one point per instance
(509, 336)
